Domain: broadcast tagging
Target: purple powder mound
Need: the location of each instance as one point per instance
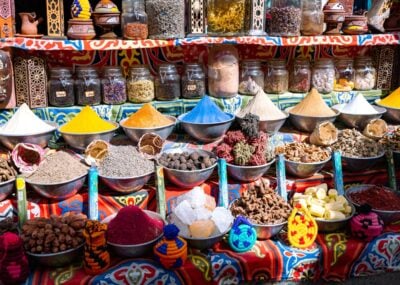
(206, 111)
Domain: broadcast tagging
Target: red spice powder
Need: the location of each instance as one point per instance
(133, 226)
(378, 198)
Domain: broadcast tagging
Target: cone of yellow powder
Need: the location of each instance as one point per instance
(312, 106)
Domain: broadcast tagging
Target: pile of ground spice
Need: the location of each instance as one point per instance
(205, 112)
(312, 105)
(393, 100)
(125, 161)
(133, 226)
(147, 117)
(58, 167)
(378, 197)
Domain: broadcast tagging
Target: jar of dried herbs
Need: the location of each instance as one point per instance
(277, 77)
(167, 83)
(300, 76)
(251, 77)
(87, 86)
(113, 86)
(167, 19)
(61, 87)
(134, 20)
(312, 22)
(285, 18)
(140, 84)
(193, 81)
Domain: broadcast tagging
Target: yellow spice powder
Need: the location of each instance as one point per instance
(393, 100)
(312, 105)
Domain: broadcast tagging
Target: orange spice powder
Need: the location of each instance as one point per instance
(147, 117)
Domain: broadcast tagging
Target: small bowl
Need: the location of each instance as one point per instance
(268, 231)
(136, 250)
(247, 173)
(134, 134)
(205, 243)
(126, 185)
(6, 188)
(356, 164)
(358, 121)
(387, 216)
(60, 190)
(81, 141)
(304, 169)
(188, 178)
(392, 114)
(42, 139)
(58, 259)
(329, 226)
(269, 126)
(307, 123)
(207, 132)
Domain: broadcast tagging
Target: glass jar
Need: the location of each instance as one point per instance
(300, 76)
(113, 86)
(228, 17)
(193, 81)
(344, 75)
(87, 86)
(134, 20)
(168, 83)
(167, 19)
(277, 77)
(223, 71)
(6, 76)
(312, 22)
(140, 84)
(251, 77)
(61, 87)
(285, 18)
(323, 75)
(365, 78)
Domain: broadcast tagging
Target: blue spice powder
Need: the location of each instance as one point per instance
(206, 111)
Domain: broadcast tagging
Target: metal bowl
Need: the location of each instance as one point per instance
(387, 216)
(134, 134)
(307, 123)
(392, 114)
(355, 164)
(188, 178)
(207, 132)
(205, 243)
(268, 231)
(126, 185)
(60, 190)
(247, 173)
(6, 188)
(58, 259)
(329, 226)
(42, 139)
(304, 169)
(81, 141)
(136, 250)
(270, 126)
(358, 121)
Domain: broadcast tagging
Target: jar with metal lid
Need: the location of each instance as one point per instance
(277, 77)
(365, 78)
(251, 77)
(61, 87)
(87, 86)
(134, 20)
(323, 75)
(113, 86)
(285, 18)
(140, 84)
(193, 81)
(300, 76)
(167, 83)
(344, 75)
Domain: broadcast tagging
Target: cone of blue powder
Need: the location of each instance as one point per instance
(206, 112)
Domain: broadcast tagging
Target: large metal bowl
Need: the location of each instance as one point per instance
(136, 250)
(329, 226)
(58, 259)
(307, 123)
(270, 126)
(60, 190)
(205, 243)
(355, 164)
(358, 121)
(247, 173)
(126, 185)
(42, 139)
(188, 178)
(81, 141)
(268, 231)
(207, 132)
(387, 216)
(392, 114)
(134, 134)
(6, 188)
(304, 169)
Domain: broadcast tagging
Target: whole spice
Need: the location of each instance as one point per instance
(193, 81)
(392, 140)
(8, 225)
(61, 87)
(140, 91)
(227, 17)
(303, 152)
(300, 76)
(147, 117)
(277, 77)
(285, 21)
(7, 171)
(113, 86)
(312, 105)
(323, 76)
(187, 161)
(97, 258)
(167, 83)
(136, 31)
(87, 86)
(378, 197)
